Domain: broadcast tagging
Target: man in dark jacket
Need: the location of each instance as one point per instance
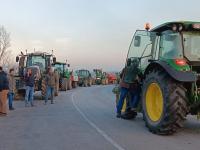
(30, 80)
(129, 84)
(3, 92)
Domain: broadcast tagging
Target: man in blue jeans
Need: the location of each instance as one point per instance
(30, 80)
(129, 84)
(51, 81)
(11, 80)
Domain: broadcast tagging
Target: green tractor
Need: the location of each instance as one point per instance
(169, 57)
(100, 77)
(65, 82)
(85, 78)
(38, 62)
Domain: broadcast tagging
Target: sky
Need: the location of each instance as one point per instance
(87, 33)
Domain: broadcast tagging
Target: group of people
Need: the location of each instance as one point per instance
(8, 85)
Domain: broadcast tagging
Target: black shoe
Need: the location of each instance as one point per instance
(32, 105)
(11, 108)
(118, 115)
(3, 114)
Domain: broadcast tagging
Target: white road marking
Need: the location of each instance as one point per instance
(101, 132)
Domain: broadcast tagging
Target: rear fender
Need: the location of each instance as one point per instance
(180, 76)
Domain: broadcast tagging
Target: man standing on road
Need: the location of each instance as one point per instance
(11, 80)
(51, 83)
(130, 73)
(3, 92)
(30, 80)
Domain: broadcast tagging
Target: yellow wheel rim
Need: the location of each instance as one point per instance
(154, 102)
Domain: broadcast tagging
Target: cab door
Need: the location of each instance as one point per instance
(141, 49)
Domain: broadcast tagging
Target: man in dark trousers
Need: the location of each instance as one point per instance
(3, 92)
(30, 80)
(129, 84)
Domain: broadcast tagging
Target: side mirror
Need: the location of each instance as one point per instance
(137, 41)
(17, 59)
(54, 60)
(128, 62)
(68, 65)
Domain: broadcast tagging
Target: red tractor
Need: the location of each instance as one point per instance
(112, 78)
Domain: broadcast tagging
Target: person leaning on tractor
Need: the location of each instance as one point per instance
(30, 81)
(3, 92)
(11, 80)
(130, 71)
(51, 83)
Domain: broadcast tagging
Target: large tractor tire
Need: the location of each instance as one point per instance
(85, 83)
(74, 84)
(69, 84)
(90, 82)
(103, 82)
(164, 103)
(63, 84)
(106, 82)
(43, 92)
(19, 96)
(56, 91)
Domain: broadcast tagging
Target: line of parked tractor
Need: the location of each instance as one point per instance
(39, 62)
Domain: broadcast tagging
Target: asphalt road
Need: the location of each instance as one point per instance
(84, 119)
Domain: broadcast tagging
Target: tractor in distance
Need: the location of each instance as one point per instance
(38, 62)
(100, 77)
(169, 59)
(85, 78)
(112, 78)
(65, 82)
(74, 78)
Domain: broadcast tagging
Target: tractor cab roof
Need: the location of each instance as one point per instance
(38, 53)
(60, 63)
(178, 26)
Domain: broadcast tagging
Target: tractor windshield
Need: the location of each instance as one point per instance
(83, 73)
(191, 42)
(171, 45)
(36, 61)
(59, 67)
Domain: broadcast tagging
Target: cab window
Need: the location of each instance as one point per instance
(170, 45)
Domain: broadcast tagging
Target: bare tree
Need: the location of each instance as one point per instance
(4, 44)
(7, 60)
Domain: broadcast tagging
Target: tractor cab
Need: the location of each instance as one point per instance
(174, 43)
(41, 59)
(62, 68)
